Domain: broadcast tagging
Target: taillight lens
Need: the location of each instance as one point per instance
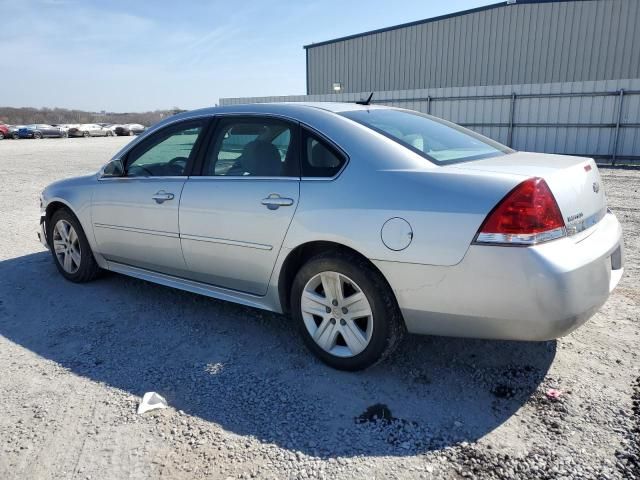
(527, 215)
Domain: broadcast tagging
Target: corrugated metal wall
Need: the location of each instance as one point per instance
(579, 118)
(564, 41)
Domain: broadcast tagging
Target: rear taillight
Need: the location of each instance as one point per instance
(527, 215)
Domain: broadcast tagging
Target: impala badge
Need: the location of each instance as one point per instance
(596, 187)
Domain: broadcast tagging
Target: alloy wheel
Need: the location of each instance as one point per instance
(337, 314)
(66, 246)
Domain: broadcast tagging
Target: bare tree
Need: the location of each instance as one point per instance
(26, 115)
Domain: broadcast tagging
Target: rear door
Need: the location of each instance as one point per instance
(234, 217)
(135, 217)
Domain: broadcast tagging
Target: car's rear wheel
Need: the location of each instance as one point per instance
(37, 135)
(70, 248)
(1, 136)
(64, 135)
(345, 311)
(86, 134)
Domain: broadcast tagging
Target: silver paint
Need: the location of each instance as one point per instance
(217, 237)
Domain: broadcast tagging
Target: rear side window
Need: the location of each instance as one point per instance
(253, 147)
(319, 159)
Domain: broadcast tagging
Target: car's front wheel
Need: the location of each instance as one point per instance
(345, 311)
(70, 248)
(37, 135)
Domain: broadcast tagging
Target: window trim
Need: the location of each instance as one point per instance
(296, 141)
(332, 145)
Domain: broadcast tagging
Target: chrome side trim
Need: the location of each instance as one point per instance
(196, 238)
(193, 286)
(240, 177)
(111, 179)
(225, 241)
(137, 230)
(588, 222)
(519, 239)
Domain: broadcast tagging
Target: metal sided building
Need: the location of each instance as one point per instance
(560, 76)
(507, 43)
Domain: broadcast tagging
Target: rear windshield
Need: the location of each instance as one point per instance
(437, 140)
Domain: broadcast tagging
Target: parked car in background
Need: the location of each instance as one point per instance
(129, 129)
(363, 222)
(113, 127)
(90, 130)
(41, 130)
(13, 131)
(4, 131)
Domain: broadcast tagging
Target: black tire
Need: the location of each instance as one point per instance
(37, 135)
(86, 134)
(88, 268)
(1, 136)
(388, 325)
(16, 136)
(64, 135)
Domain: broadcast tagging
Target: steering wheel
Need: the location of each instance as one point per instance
(180, 162)
(141, 168)
(177, 160)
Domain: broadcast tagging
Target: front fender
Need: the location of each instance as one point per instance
(75, 194)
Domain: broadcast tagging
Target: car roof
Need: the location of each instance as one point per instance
(296, 110)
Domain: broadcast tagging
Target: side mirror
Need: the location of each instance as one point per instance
(114, 168)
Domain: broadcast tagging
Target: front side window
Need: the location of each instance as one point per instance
(252, 147)
(437, 140)
(166, 153)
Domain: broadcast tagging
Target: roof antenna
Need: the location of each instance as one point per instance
(367, 101)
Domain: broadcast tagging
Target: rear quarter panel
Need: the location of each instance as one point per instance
(445, 207)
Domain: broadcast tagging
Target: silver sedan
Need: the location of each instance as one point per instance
(361, 222)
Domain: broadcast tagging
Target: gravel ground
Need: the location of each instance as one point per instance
(248, 401)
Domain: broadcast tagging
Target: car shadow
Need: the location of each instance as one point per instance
(247, 370)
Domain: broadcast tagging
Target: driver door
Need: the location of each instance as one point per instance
(135, 217)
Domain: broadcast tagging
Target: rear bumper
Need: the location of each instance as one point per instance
(516, 293)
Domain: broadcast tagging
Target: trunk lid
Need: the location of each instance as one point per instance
(574, 181)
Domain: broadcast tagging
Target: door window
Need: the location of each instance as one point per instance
(253, 147)
(167, 153)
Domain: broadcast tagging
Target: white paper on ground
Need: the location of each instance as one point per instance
(151, 401)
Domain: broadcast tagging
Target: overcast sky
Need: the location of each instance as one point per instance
(132, 55)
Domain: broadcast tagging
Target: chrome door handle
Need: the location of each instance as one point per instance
(162, 196)
(275, 201)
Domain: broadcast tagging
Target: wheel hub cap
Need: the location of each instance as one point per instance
(337, 314)
(66, 246)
